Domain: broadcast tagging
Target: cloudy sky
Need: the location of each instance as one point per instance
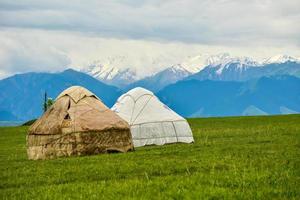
(52, 35)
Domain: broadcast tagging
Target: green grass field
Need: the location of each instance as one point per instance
(238, 157)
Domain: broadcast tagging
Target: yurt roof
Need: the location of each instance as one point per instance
(84, 109)
(76, 93)
(136, 93)
(142, 106)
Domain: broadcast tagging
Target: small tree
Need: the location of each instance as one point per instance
(48, 102)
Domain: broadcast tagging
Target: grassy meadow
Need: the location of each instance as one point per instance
(234, 157)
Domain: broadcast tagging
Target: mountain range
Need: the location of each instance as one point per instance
(220, 86)
(246, 69)
(115, 71)
(202, 67)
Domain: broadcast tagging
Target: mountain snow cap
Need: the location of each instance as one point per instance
(281, 59)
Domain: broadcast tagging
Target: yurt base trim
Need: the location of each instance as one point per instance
(80, 143)
(164, 137)
(153, 122)
(162, 141)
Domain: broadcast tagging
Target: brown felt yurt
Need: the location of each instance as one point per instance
(78, 123)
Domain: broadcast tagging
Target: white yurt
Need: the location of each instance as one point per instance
(151, 121)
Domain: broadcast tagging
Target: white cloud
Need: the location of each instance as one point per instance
(23, 53)
(39, 50)
(53, 35)
(209, 21)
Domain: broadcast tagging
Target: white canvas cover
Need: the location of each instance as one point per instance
(151, 121)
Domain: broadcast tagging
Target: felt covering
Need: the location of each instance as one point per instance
(77, 123)
(151, 121)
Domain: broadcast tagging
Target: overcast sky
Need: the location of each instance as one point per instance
(52, 35)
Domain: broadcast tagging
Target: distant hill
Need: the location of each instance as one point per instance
(266, 95)
(21, 96)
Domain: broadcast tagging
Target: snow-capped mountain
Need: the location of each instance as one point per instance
(109, 74)
(281, 59)
(222, 62)
(162, 79)
(228, 68)
(179, 71)
(100, 71)
(199, 62)
(217, 59)
(196, 63)
(117, 71)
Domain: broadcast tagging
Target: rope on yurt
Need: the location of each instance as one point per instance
(134, 101)
(142, 109)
